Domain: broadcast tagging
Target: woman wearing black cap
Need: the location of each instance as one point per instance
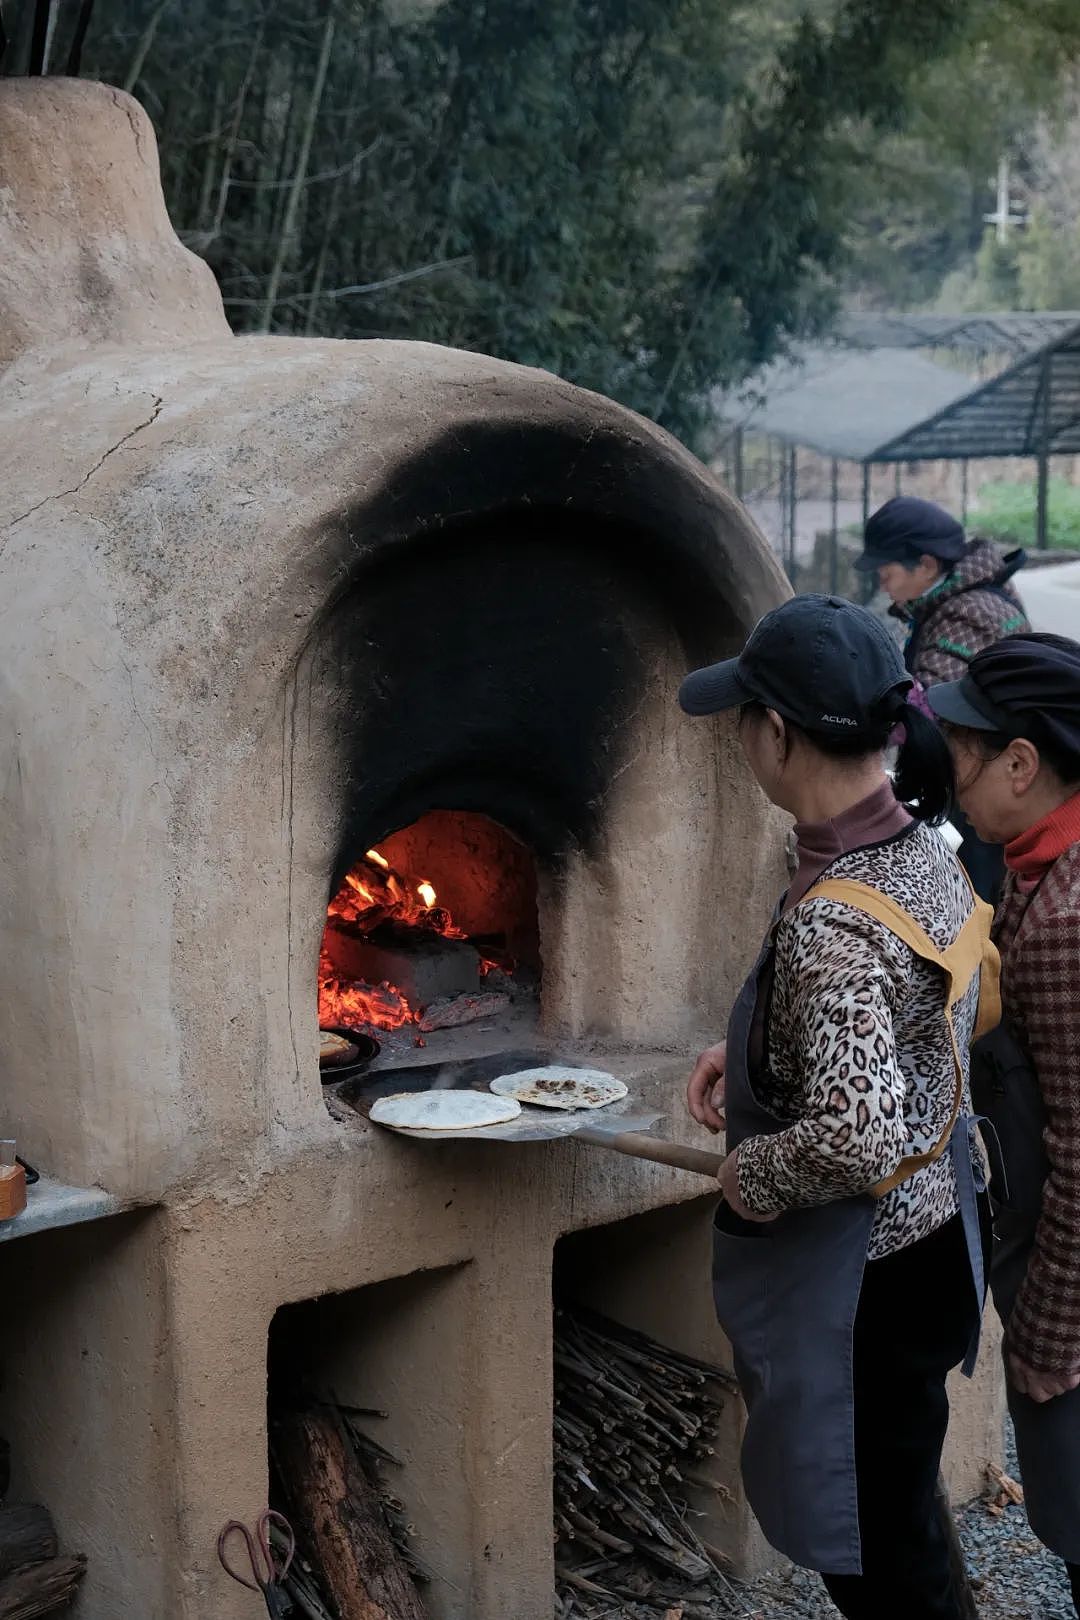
(1013, 723)
(848, 1264)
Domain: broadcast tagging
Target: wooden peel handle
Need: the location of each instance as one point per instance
(640, 1145)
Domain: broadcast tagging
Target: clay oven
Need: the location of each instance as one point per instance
(265, 605)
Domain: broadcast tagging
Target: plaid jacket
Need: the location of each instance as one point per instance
(973, 606)
(1041, 994)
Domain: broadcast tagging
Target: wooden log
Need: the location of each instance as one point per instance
(338, 1516)
(27, 1536)
(42, 1589)
(458, 1010)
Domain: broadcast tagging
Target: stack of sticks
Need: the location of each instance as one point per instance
(634, 1425)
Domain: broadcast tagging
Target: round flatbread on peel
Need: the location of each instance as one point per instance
(558, 1086)
(443, 1110)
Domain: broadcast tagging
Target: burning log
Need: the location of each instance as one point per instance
(631, 1419)
(391, 957)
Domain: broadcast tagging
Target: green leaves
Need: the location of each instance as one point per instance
(649, 196)
(1006, 511)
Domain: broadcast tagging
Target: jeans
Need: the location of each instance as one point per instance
(916, 1314)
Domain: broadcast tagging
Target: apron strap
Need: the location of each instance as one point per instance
(971, 952)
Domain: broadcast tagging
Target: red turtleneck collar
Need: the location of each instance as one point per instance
(1033, 853)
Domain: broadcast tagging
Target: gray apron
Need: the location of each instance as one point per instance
(1006, 1090)
(786, 1292)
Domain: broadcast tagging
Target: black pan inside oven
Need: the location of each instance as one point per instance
(331, 1073)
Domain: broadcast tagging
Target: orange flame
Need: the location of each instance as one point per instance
(373, 893)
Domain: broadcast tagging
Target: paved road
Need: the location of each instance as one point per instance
(1052, 598)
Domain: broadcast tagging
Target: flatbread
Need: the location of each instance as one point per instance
(336, 1049)
(558, 1086)
(443, 1110)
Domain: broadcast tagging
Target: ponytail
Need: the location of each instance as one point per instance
(924, 781)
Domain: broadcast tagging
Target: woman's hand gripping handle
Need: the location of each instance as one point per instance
(705, 1091)
(705, 1100)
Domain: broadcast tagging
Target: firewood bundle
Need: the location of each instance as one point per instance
(634, 1422)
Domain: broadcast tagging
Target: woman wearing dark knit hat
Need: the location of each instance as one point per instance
(955, 597)
(1013, 723)
(848, 1254)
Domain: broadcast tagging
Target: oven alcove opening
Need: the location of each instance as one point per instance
(378, 1377)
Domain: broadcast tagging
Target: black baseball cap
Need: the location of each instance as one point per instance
(820, 661)
(905, 529)
(1021, 686)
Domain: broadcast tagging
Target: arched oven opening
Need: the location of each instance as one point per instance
(499, 698)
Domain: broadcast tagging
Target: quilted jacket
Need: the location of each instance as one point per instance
(971, 607)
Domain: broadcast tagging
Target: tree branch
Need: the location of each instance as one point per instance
(297, 299)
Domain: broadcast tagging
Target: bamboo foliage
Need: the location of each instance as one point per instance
(287, 228)
(646, 196)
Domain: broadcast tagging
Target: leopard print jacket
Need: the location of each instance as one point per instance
(859, 1058)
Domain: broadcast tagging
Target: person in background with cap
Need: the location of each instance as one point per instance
(1013, 723)
(956, 598)
(848, 1248)
(954, 595)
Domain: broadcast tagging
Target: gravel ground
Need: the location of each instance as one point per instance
(1015, 1578)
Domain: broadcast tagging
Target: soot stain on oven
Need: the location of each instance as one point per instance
(486, 679)
(492, 671)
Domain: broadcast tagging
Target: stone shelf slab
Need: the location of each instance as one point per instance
(51, 1204)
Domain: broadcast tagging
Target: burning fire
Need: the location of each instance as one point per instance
(351, 1004)
(372, 895)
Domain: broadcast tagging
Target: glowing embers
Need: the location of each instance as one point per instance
(375, 900)
(425, 931)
